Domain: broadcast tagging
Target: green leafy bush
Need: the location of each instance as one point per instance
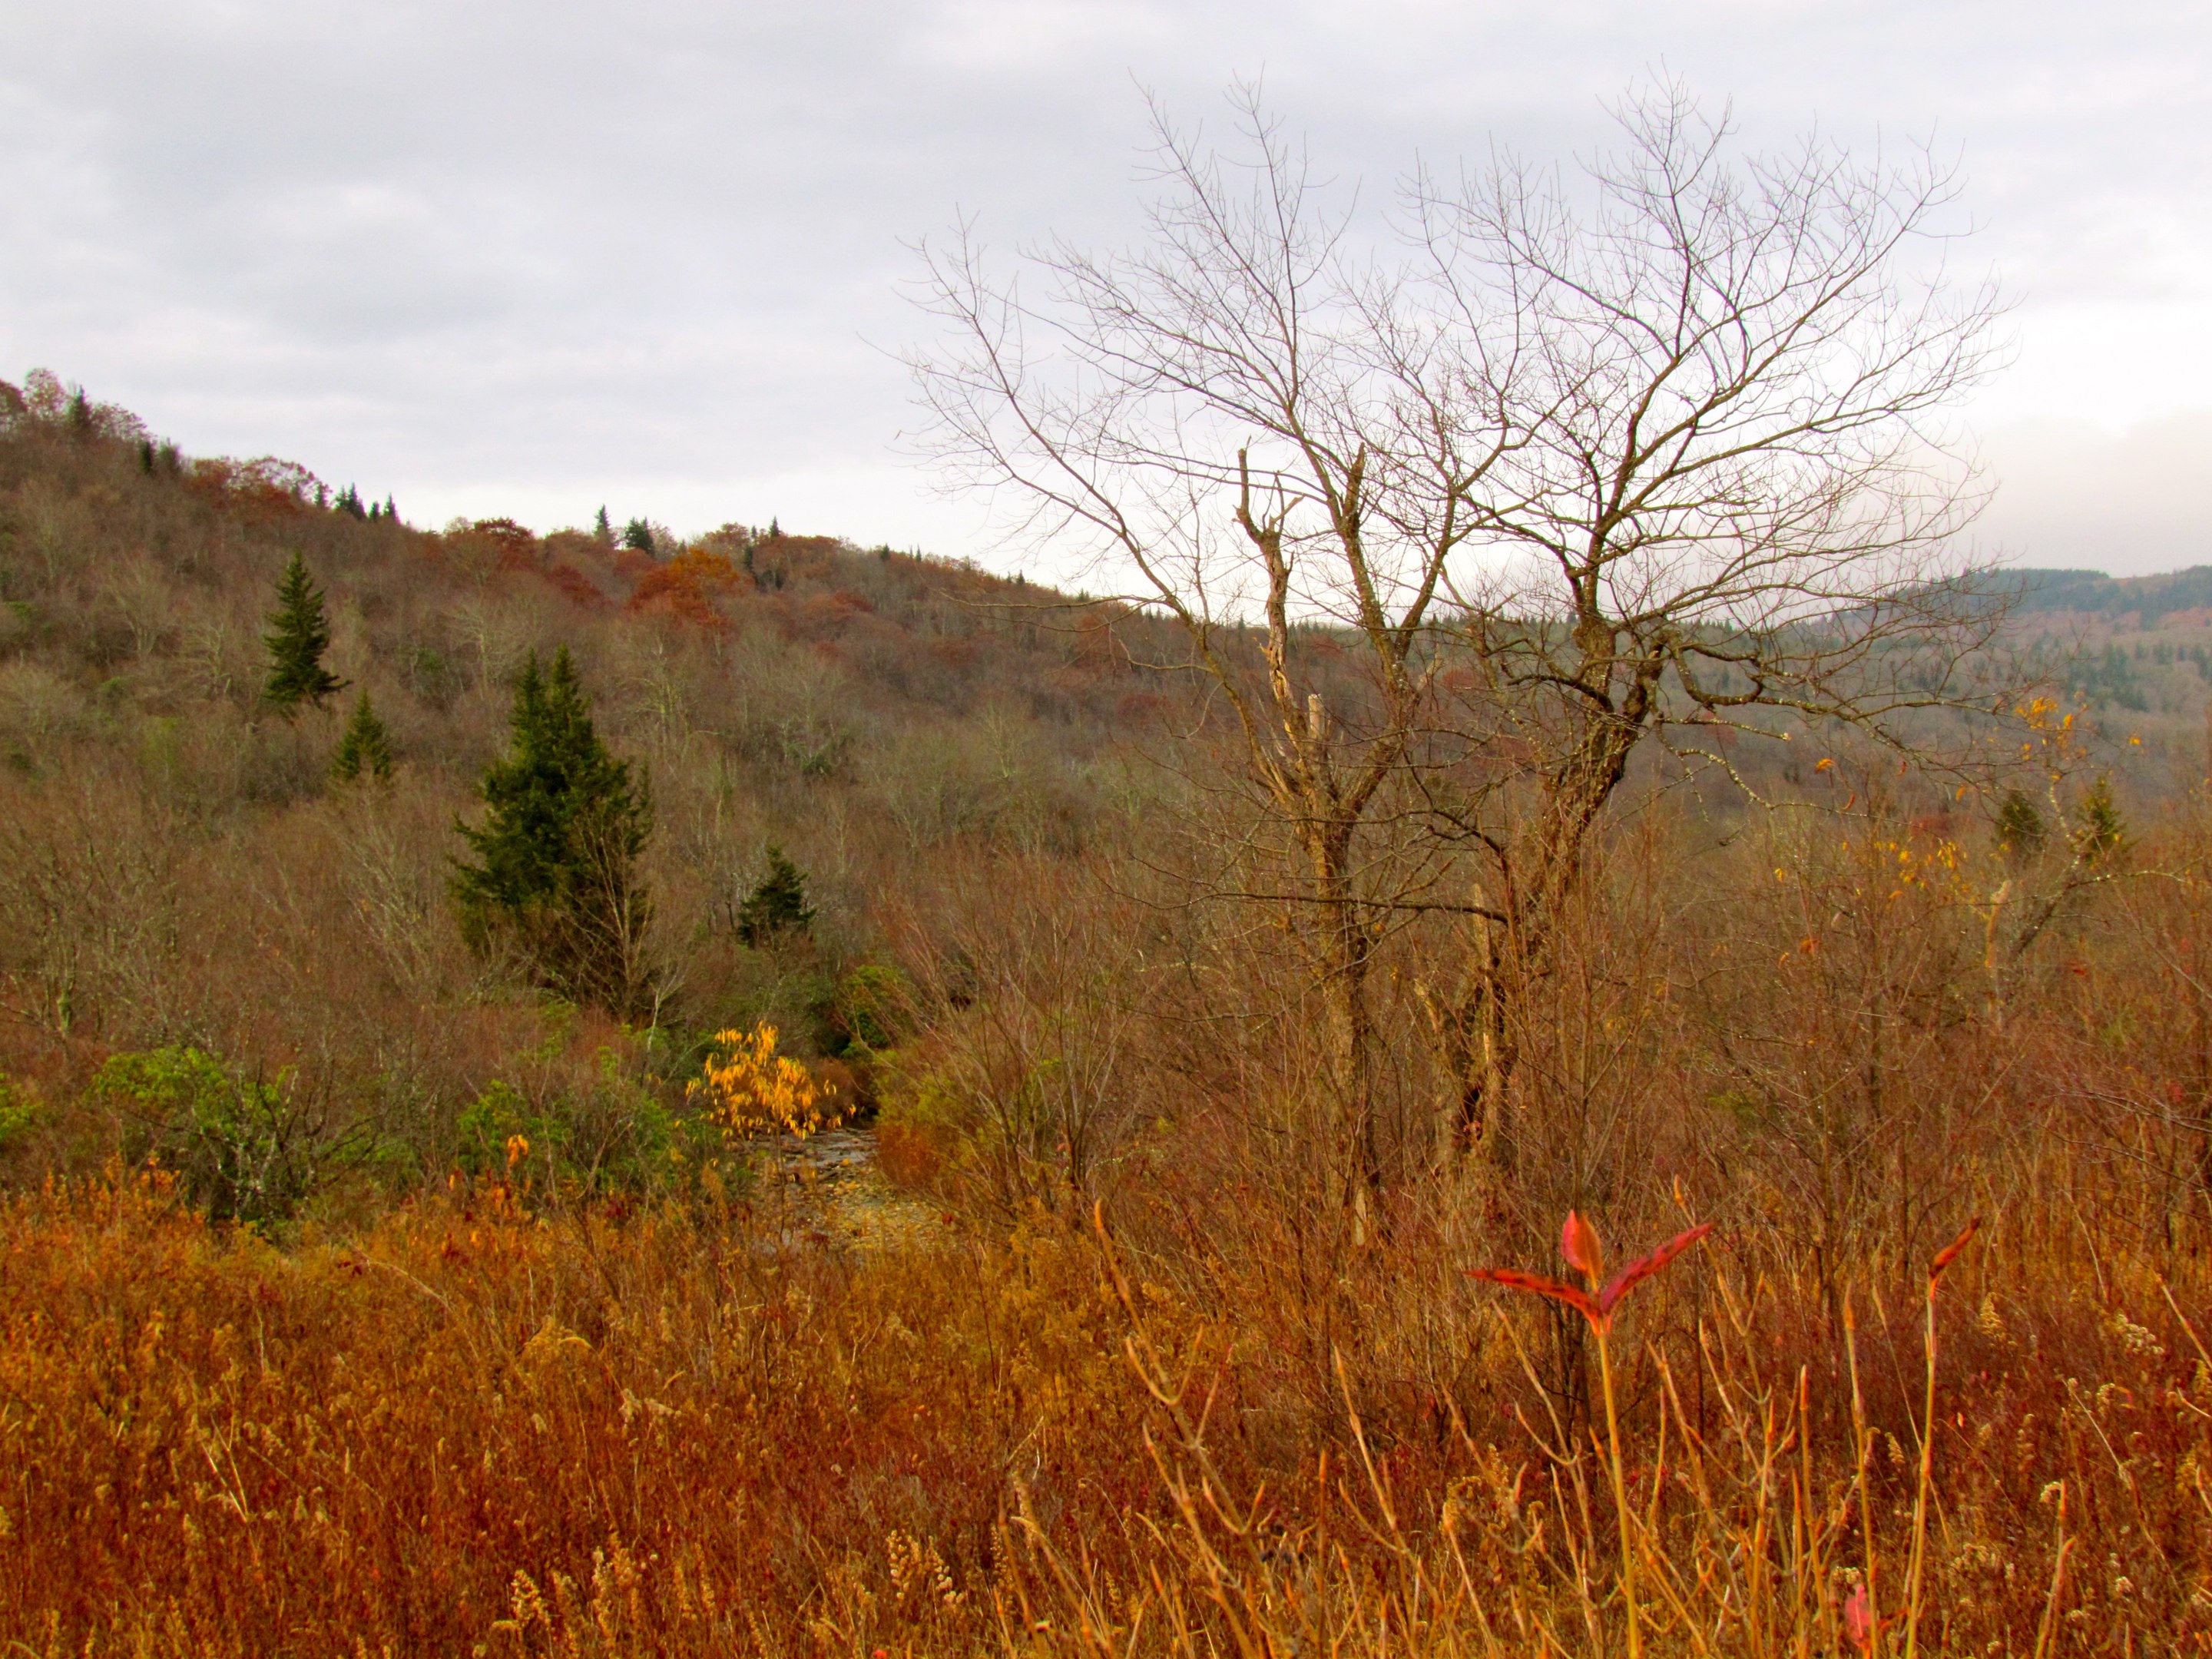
(18, 1111)
(247, 1150)
(612, 1135)
(871, 1008)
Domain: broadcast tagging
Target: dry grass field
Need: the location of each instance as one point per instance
(476, 1428)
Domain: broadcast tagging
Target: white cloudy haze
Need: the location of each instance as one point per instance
(525, 258)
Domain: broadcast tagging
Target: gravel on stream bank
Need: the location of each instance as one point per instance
(834, 1193)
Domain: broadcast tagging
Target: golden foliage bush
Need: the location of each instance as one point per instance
(748, 1088)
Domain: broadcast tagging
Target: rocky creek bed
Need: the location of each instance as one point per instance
(826, 1188)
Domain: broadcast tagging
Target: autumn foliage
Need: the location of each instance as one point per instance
(361, 1291)
(749, 1090)
(687, 585)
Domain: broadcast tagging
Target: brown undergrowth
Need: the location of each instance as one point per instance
(473, 1428)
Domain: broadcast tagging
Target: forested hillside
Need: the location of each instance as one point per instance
(2138, 645)
(182, 867)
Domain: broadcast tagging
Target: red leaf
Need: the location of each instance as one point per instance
(1578, 1244)
(1643, 1266)
(1537, 1284)
(1949, 1253)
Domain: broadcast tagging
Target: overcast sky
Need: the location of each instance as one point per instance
(515, 259)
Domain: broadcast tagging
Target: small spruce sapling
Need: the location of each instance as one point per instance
(2100, 831)
(2020, 826)
(776, 909)
(298, 634)
(365, 747)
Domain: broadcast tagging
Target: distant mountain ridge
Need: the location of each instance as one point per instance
(2092, 591)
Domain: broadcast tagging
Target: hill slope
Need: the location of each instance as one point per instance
(176, 867)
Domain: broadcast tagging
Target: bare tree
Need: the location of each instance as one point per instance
(1728, 504)
(1569, 475)
(1267, 434)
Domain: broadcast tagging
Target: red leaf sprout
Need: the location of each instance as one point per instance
(1579, 1243)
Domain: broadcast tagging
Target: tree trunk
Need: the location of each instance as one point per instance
(1346, 953)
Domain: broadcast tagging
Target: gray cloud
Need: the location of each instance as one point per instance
(2074, 495)
(505, 258)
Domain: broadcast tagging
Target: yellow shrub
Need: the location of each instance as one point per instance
(751, 1090)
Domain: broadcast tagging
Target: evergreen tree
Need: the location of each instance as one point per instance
(604, 528)
(776, 908)
(637, 535)
(2020, 826)
(2098, 830)
(391, 512)
(298, 637)
(364, 748)
(555, 873)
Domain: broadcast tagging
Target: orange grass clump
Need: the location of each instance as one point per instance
(475, 1429)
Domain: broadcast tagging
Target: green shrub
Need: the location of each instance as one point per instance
(871, 1008)
(245, 1149)
(612, 1135)
(18, 1111)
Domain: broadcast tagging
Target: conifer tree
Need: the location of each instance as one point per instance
(604, 528)
(298, 634)
(776, 909)
(555, 870)
(2020, 826)
(2100, 831)
(637, 535)
(364, 748)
